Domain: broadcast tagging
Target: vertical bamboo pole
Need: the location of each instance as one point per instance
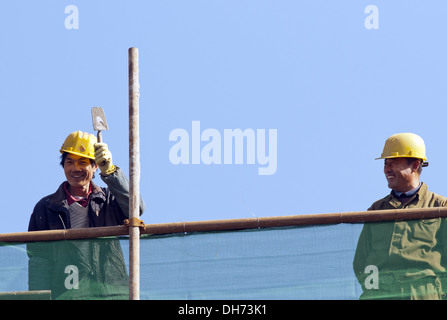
(134, 175)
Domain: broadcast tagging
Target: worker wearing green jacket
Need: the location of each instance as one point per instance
(403, 259)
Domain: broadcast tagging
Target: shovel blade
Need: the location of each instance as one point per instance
(99, 119)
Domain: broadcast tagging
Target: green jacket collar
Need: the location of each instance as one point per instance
(395, 202)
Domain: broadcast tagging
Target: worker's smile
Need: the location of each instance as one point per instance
(390, 177)
(78, 176)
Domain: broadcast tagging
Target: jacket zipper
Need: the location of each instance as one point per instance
(62, 220)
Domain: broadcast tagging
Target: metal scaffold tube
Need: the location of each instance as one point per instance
(229, 224)
(134, 175)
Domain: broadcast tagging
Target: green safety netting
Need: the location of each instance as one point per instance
(309, 262)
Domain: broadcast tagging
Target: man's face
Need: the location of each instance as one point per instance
(78, 170)
(399, 174)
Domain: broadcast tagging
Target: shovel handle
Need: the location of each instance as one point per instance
(99, 138)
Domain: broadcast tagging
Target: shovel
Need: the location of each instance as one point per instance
(99, 122)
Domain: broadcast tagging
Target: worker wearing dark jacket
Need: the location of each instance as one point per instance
(82, 269)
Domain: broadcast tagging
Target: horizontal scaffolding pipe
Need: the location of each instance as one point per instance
(230, 224)
(296, 220)
(64, 234)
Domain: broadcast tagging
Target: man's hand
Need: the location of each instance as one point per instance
(103, 158)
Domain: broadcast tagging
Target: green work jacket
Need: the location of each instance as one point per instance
(402, 251)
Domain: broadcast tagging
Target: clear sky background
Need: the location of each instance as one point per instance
(333, 89)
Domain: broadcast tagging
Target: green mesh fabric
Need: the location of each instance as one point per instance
(311, 262)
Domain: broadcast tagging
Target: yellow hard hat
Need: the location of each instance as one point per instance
(404, 145)
(81, 144)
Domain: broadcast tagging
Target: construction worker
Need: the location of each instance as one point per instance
(80, 203)
(403, 259)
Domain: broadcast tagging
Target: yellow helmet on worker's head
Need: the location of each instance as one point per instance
(404, 145)
(81, 144)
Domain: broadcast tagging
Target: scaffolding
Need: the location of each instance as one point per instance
(231, 258)
(228, 224)
(135, 229)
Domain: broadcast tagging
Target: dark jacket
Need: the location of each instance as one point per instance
(81, 269)
(107, 206)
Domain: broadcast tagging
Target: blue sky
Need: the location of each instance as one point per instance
(331, 88)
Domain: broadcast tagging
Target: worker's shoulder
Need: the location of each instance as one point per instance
(428, 198)
(436, 200)
(51, 199)
(381, 204)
